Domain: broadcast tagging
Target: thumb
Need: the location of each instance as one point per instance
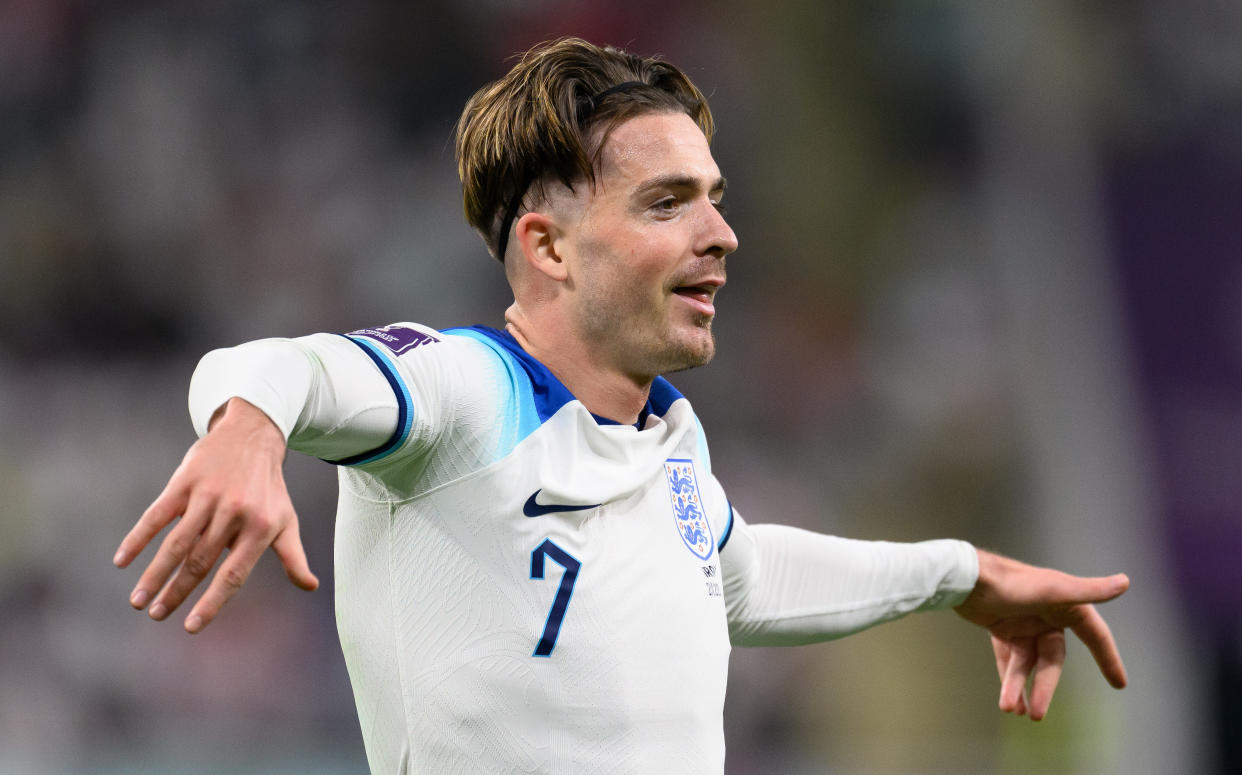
(288, 547)
(1074, 590)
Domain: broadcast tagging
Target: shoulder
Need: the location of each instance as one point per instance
(529, 381)
(455, 395)
(396, 338)
(416, 346)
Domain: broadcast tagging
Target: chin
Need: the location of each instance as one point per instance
(691, 352)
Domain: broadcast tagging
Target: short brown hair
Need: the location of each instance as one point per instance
(539, 119)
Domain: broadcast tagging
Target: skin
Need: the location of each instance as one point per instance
(1026, 610)
(614, 284)
(229, 492)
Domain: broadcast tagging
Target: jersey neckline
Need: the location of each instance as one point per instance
(550, 394)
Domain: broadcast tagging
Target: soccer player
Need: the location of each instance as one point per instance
(536, 569)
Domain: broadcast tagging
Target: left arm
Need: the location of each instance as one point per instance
(786, 586)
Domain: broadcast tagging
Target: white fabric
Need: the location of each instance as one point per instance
(438, 612)
(785, 586)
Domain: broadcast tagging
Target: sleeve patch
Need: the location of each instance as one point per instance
(397, 338)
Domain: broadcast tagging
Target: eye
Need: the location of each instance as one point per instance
(721, 207)
(667, 205)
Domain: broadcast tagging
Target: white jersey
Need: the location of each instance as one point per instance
(525, 587)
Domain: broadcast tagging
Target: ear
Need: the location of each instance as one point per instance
(538, 239)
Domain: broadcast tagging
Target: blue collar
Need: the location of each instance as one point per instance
(550, 394)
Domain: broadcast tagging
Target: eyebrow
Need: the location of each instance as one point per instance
(679, 181)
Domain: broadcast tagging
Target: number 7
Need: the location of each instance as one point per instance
(571, 565)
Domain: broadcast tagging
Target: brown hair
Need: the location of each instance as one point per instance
(538, 121)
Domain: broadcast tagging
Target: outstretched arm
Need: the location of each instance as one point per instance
(229, 493)
(320, 393)
(785, 586)
(1027, 610)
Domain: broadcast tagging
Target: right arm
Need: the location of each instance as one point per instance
(321, 395)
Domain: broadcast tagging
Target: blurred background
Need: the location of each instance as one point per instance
(989, 287)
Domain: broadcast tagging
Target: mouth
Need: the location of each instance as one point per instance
(700, 295)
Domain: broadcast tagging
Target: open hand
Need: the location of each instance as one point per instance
(1027, 610)
(229, 493)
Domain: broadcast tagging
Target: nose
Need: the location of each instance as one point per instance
(717, 237)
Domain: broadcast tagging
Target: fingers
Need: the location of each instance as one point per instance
(168, 506)
(232, 575)
(218, 534)
(1093, 631)
(1013, 683)
(288, 547)
(228, 494)
(241, 560)
(192, 548)
(1037, 661)
(1049, 662)
(1041, 661)
(1007, 589)
(1001, 650)
(1026, 610)
(1064, 589)
(172, 552)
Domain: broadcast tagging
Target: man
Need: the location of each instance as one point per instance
(536, 569)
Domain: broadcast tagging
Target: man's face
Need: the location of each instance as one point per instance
(649, 245)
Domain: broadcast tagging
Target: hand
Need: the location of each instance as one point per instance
(229, 492)
(1026, 610)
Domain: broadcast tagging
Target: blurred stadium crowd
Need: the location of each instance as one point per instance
(989, 287)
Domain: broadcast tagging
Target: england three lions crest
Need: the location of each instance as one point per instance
(688, 516)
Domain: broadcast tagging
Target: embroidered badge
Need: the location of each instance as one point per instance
(399, 339)
(688, 516)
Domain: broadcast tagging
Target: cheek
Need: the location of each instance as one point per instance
(631, 263)
(652, 258)
(634, 263)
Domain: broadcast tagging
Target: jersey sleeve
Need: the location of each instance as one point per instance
(788, 586)
(372, 399)
(374, 395)
(328, 397)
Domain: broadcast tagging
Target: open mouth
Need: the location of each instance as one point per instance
(698, 296)
(701, 293)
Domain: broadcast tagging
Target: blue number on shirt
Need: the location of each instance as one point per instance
(571, 565)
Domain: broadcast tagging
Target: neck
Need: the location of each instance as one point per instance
(602, 388)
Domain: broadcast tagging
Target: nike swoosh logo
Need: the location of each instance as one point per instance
(533, 508)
